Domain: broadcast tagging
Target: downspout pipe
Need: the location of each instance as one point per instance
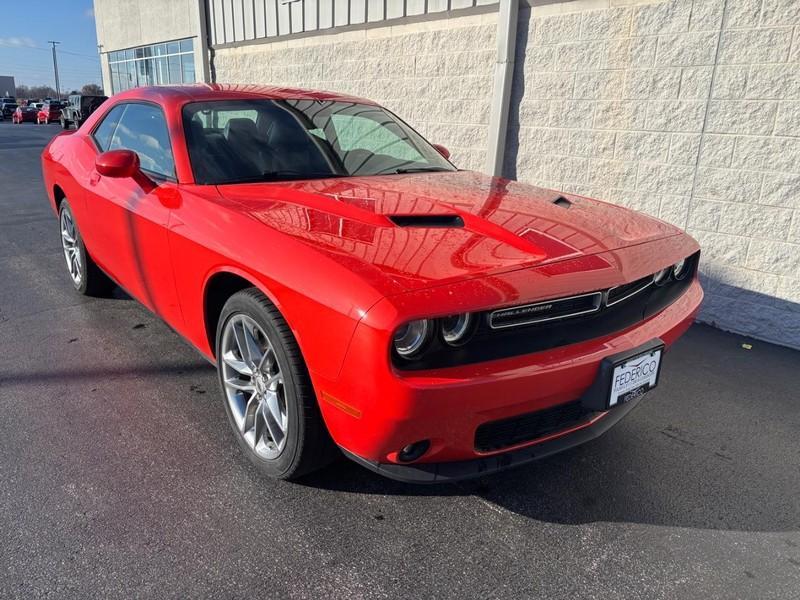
(203, 50)
(503, 78)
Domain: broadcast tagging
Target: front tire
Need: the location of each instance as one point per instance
(267, 392)
(86, 276)
(64, 123)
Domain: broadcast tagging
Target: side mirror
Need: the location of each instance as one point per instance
(121, 164)
(442, 150)
(117, 163)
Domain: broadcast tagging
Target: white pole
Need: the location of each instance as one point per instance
(503, 77)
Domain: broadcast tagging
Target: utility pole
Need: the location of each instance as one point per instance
(55, 67)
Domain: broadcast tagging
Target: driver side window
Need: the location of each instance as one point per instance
(104, 132)
(143, 129)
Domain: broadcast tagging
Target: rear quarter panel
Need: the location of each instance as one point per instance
(65, 161)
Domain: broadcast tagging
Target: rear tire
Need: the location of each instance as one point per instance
(267, 392)
(64, 123)
(86, 276)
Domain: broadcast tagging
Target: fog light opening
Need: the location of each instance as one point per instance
(413, 451)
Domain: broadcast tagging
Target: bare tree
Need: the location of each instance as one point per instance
(92, 89)
(35, 91)
(25, 92)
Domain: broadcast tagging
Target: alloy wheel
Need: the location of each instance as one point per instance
(69, 242)
(254, 388)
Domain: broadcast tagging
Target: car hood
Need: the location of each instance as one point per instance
(418, 230)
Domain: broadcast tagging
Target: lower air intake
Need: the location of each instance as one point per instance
(497, 435)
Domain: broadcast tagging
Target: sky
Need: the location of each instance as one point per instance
(25, 28)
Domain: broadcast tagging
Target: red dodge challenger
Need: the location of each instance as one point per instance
(50, 112)
(25, 113)
(356, 290)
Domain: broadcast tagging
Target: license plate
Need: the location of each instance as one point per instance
(635, 377)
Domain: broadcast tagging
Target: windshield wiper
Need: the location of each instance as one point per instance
(419, 170)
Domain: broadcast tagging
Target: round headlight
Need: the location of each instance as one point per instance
(456, 328)
(680, 269)
(410, 338)
(660, 278)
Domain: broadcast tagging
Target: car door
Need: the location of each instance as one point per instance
(127, 225)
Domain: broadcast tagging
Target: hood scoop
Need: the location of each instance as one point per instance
(429, 221)
(562, 202)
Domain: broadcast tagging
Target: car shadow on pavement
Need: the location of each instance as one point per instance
(716, 450)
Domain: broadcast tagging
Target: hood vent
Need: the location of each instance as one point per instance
(562, 202)
(427, 220)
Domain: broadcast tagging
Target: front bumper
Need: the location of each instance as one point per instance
(372, 413)
(449, 472)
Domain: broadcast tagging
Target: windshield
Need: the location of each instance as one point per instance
(237, 141)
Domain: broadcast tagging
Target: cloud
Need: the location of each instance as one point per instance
(89, 13)
(17, 42)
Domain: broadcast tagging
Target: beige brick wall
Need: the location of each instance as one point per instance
(436, 75)
(687, 110)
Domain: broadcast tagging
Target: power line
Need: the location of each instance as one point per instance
(86, 56)
(28, 66)
(32, 60)
(21, 47)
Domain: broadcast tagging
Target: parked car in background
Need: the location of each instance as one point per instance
(77, 109)
(25, 113)
(355, 288)
(50, 112)
(7, 106)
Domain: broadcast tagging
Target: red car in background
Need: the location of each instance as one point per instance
(50, 112)
(25, 113)
(355, 289)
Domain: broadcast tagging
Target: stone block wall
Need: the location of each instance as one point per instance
(435, 75)
(688, 110)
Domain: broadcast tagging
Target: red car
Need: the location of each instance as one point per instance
(24, 113)
(49, 113)
(355, 289)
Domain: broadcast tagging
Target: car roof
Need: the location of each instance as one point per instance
(200, 92)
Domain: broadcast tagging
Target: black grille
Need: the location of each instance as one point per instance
(621, 292)
(545, 311)
(497, 435)
(490, 342)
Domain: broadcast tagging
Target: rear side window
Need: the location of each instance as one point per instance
(104, 132)
(143, 129)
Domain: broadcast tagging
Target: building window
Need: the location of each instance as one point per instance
(159, 64)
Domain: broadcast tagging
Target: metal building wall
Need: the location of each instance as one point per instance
(232, 21)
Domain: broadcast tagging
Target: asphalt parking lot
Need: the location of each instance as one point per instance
(119, 476)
